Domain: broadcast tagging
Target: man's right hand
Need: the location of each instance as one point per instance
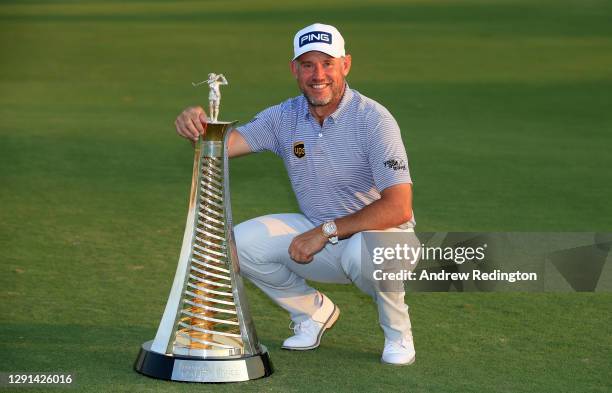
(191, 123)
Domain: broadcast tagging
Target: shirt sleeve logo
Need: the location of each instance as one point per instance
(395, 163)
(299, 150)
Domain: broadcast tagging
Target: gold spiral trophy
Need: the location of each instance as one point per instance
(206, 333)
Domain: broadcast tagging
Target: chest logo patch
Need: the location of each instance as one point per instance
(299, 150)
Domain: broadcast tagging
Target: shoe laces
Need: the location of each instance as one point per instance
(404, 342)
(307, 326)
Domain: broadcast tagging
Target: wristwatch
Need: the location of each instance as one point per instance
(330, 231)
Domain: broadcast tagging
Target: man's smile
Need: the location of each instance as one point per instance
(319, 86)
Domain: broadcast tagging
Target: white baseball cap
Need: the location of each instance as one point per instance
(319, 37)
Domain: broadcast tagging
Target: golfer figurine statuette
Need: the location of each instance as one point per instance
(206, 333)
(214, 95)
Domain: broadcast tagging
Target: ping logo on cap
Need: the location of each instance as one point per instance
(315, 36)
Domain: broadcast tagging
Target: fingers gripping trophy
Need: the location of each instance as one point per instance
(206, 333)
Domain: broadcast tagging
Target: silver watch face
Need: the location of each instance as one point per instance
(329, 228)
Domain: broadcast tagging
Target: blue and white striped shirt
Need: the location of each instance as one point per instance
(340, 167)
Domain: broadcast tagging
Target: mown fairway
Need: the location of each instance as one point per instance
(505, 111)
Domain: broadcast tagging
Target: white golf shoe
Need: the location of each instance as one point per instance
(308, 333)
(399, 353)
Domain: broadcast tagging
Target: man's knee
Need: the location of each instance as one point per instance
(268, 236)
(249, 235)
(258, 254)
(248, 239)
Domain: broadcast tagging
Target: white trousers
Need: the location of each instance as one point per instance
(263, 245)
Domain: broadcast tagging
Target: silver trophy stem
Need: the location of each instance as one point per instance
(206, 333)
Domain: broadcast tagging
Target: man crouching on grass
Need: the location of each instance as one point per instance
(336, 145)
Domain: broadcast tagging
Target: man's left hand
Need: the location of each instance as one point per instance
(303, 247)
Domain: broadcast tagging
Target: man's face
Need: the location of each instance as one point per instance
(321, 77)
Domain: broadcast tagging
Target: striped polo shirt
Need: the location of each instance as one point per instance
(340, 167)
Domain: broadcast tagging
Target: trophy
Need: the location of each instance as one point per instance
(206, 333)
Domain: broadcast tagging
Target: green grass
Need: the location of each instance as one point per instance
(504, 109)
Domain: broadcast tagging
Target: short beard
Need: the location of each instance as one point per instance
(314, 102)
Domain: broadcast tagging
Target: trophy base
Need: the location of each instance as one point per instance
(190, 369)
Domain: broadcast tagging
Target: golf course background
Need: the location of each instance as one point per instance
(504, 108)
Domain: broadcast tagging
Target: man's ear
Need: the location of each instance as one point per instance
(346, 65)
(294, 68)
